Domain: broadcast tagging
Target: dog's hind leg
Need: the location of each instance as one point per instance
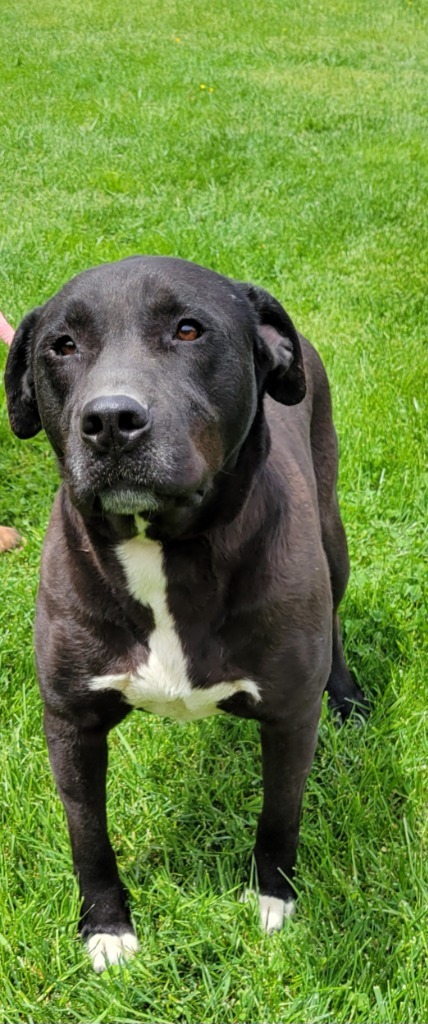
(342, 691)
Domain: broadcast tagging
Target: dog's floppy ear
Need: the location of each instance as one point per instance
(278, 351)
(21, 396)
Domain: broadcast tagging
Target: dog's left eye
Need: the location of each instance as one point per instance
(64, 346)
(188, 330)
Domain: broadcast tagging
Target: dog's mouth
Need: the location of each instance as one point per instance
(127, 499)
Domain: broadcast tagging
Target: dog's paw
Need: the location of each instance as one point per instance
(272, 910)
(105, 949)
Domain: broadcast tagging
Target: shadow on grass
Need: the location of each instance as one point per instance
(376, 640)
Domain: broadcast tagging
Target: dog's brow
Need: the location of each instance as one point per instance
(166, 304)
(78, 314)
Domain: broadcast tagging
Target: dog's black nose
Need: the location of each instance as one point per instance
(114, 421)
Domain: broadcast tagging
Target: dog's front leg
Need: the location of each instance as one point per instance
(79, 764)
(287, 757)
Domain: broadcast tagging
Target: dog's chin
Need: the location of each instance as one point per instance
(166, 514)
(129, 501)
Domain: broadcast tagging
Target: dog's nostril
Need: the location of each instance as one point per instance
(92, 425)
(129, 421)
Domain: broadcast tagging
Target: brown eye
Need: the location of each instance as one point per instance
(64, 346)
(188, 330)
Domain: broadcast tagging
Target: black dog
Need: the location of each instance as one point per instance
(195, 557)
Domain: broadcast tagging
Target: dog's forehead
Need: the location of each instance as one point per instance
(152, 286)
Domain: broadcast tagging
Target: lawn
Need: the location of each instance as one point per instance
(283, 143)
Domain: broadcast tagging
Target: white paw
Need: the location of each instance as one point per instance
(272, 910)
(105, 949)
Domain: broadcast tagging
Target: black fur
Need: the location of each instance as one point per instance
(246, 511)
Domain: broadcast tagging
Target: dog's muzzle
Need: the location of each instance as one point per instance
(127, 475)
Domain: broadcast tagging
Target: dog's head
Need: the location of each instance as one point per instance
(147, 376)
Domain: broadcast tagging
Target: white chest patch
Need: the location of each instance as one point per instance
(161, 684)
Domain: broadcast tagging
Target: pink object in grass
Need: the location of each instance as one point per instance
(6, 331)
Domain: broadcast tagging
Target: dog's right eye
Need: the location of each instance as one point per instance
(64, 346)
(188, 330)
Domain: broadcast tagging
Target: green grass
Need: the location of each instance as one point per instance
(284, 144)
